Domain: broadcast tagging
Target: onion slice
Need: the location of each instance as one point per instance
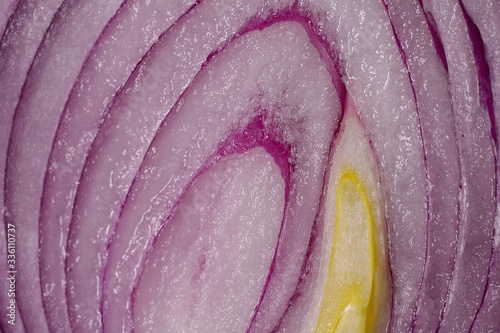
(353, 288)
(217, 249)
(115, 115)
(7, 7)
(20, 40)
(149, 94)
(430, 85)
(484, 15)
(477, 163)
(120, 47)
(376, 78)
(179, 153)
(37, 114)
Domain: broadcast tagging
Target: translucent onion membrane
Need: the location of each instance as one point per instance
(165, 164)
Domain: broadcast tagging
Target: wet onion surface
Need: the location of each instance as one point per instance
(166, 164)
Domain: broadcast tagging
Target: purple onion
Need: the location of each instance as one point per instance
(126, 126)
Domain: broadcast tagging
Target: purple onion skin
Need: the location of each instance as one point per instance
(86, 90)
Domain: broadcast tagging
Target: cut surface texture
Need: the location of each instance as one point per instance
(353, 292)
(22, 36)
(66, 44)
(484, 15)
(108, 66)
(210, 264)
(375, 75)
(430, 85)
(253, 166)
(475, 143)
(293, 121)
(350, 277)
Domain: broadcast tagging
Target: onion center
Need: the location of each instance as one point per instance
(353, 291)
